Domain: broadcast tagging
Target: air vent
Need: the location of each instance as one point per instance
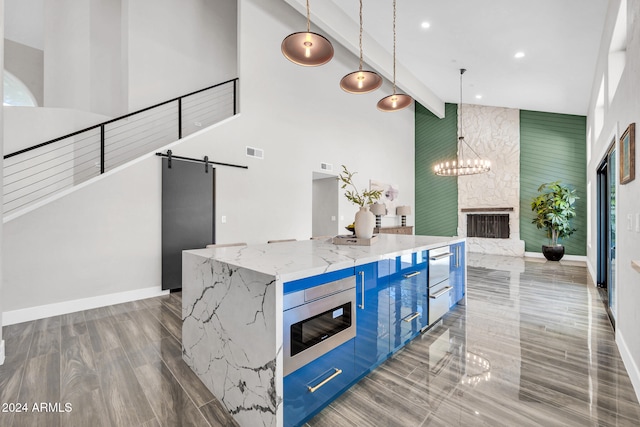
(326, 166)
(255, 152)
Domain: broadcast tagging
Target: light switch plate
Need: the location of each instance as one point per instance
(223, 219)
(629, 222)
(638, 223)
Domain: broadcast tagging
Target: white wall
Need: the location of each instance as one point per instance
(175, 47)
(26, 23)
(67, 50)
(105, 237)
(619, 112)
(2, 351)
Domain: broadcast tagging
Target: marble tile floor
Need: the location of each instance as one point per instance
(533, 347)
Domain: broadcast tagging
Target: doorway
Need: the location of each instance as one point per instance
(325, 195)
(606, 195)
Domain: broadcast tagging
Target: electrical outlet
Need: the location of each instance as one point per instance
(629, 222)
(223, 219)
(333, 217)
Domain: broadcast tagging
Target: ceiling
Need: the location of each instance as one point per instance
(560, 40)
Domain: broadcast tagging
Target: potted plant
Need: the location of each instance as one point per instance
(554, 208)
(365, 220)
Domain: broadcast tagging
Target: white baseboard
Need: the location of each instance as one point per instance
(2, 352)
(579, 258)
(42, 311)
(629, 363)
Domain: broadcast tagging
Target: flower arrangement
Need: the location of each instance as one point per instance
(360, 198)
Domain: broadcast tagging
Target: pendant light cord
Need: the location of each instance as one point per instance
(461, 140)
(460, 136)
(361, 55)
(394, 47)
(308, 18)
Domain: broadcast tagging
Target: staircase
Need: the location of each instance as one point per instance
(36, 173)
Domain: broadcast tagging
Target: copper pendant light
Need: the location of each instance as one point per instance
(464, 163)
(361, 81)
(394, 102)
(306, 48)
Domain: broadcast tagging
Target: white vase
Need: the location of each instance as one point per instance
(365, 221)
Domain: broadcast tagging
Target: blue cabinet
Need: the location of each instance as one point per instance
(408, 297)
(372, 315)
(457, 274)
(310, 388)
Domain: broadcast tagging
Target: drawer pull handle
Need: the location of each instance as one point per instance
(442, 292)
(409, 319)
(408, 275)
(335, 374)
(362, 284)
(441, 256)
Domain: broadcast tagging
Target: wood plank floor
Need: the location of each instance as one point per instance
(532, 347)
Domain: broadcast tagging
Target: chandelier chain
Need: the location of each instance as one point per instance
(308, 18)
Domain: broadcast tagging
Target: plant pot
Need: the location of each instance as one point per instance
(553, 253)
(365, 221)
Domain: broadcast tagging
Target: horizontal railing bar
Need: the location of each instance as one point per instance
(51, 176)
(142, 118)
(61, 164)
(58, 140)
(7, 156)
(190, 159)
(66, 177)
(72, 152)
(113, 133)
(117, 151)
(205, 107)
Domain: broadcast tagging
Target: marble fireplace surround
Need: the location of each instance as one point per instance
(494, 133)
(512, 246)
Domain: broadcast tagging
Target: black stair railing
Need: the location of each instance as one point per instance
(37, 172)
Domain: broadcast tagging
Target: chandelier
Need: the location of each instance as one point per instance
(465, 163)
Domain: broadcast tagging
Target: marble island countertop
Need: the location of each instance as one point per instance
(294, 260)
(232, 312)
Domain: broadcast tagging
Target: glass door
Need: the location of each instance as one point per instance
(611, 231)
(606, 218)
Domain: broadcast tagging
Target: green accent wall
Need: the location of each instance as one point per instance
(436, 198)
(552, 147)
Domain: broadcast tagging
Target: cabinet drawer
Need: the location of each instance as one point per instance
(315, 385)
(408, 304)
(439, 260)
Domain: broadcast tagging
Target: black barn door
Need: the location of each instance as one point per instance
(188, 213)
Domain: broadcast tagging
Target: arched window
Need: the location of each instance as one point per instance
(16, 93)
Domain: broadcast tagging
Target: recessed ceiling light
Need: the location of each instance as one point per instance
(478, 96)
(519, 55)
(425, 24)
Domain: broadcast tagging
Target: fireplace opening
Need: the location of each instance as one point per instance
(490, 226)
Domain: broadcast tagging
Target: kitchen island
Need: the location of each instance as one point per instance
(233, 324)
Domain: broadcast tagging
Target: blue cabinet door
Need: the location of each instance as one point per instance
(312, 387)
(372, 315)
(458, 272)
(408, 298)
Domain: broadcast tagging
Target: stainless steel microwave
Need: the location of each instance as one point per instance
(317, 320)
